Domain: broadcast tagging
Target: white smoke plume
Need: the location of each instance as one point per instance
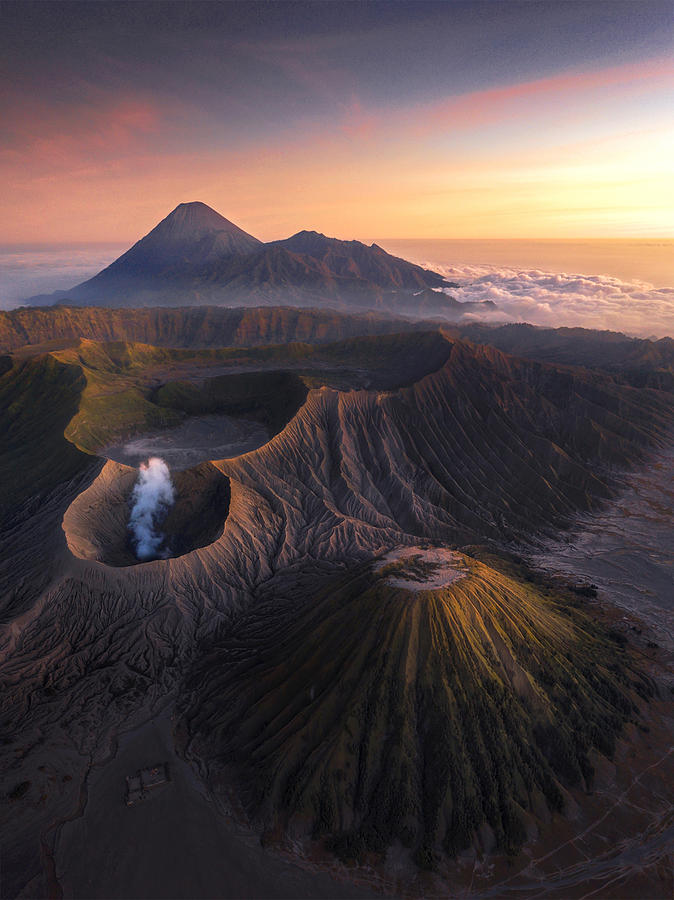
(152, 496)
(556, 299)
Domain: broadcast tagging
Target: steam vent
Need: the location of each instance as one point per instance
(97, 522)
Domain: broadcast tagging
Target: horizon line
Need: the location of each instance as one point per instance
(509, 240)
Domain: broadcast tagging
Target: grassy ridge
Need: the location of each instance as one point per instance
(121, 397)
(97, 393)
(38, 398)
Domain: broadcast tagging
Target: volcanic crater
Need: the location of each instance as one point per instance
(138, 414)
(96, 523)
(333, 703)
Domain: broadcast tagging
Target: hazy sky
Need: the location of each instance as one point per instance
(497, 119)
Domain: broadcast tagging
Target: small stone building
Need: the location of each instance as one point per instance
(145, 780)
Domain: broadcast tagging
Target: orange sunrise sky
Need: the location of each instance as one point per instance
(427, 120)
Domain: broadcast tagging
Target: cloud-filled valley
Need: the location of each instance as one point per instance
(522, 294)
(25, 271)
(564, 299)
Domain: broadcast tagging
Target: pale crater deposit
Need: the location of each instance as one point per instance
(430, 569)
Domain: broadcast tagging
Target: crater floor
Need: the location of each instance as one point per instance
(197, 440)
(96, 523)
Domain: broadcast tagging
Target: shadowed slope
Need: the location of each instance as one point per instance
(191, 236)
(193, 233)
(353, 259)
(38, 398)
(195, 256)
(487, 446)
(640, 362)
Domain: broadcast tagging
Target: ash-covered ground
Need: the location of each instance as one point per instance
(625, 548)
(198, 439)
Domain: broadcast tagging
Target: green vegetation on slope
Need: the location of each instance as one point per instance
(38, 397)
(378, 714)
(132, 388)
(99, 393)
(120, 398)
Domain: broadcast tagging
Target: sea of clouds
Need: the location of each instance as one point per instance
(521, 294)
(563, 299)
(27, 271)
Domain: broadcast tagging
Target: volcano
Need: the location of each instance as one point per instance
(195, 256)
(192, 234)
(439, 715)
(189, 239)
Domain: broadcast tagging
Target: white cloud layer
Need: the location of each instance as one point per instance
(521, 294)
(562, 299)
(25, 272)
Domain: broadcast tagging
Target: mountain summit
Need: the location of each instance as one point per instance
(193, 235)
(196, 257)
(199, 230)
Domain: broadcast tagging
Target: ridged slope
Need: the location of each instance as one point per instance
(353, 259)
(373, 713)
(642, 362)
(204, 326)
(486, 447)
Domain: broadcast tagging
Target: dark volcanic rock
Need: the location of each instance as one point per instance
(353, 259)
(193, 235)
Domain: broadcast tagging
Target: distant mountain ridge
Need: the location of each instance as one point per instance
(196, 326)
(637, 361)
(196, 257)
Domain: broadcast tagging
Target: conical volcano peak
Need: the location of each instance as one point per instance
(196, 219)
(192, 236)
